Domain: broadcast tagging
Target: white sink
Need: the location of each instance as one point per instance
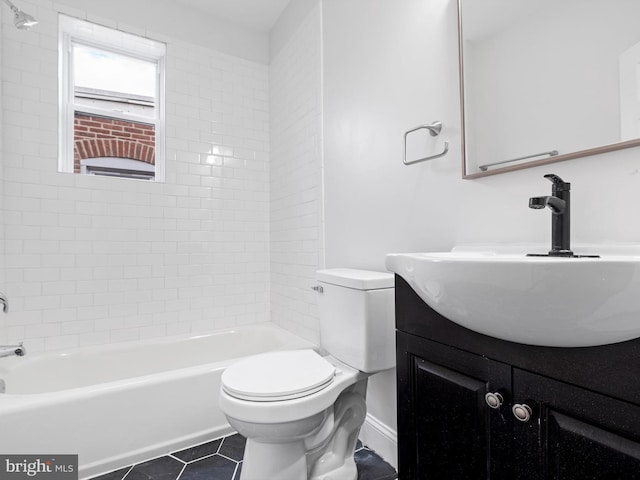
(550, 301)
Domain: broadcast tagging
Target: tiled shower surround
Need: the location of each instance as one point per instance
(90, 260)
(296, 242)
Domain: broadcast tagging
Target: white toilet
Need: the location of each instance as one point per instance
(302, 412)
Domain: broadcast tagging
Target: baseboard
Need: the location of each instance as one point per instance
(380, 438)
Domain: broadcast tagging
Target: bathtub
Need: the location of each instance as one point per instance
(119, 404)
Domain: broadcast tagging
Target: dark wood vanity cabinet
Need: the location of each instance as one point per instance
(583, 404)
(574, 433)
(446, 430)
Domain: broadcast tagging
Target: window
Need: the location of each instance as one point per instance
(111, 102)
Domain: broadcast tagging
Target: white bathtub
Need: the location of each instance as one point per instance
(120, 404)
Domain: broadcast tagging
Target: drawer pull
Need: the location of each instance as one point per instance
(522, 412)
(494, 400)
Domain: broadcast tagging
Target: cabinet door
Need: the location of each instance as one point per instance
(574, 433)
(446, 429)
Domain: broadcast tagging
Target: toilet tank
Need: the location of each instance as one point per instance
(357, 317)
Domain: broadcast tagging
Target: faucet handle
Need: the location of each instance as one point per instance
(4, 302)
(558, 184)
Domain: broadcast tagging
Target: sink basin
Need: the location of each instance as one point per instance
(549, 301)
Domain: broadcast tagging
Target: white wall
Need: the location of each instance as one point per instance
(297, 248)
(396, 70)
(95, 260)
(388, 67)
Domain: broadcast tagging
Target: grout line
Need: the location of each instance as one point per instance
(130, 468)
(231, 459)
(203, 458)
(196, 446)
(179, 459)
(184, 466)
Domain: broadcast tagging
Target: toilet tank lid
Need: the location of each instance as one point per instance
(358, 279)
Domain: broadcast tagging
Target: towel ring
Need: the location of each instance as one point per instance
(434, 129)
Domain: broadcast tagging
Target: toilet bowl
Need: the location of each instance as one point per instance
(301, 412)
(294, 416)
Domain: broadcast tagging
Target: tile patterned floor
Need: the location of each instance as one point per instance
(221, 459)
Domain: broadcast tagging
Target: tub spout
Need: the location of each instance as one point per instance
(10, 350)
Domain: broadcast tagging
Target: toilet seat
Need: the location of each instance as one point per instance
(276, 376)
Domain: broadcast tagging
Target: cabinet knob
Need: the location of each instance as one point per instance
(522, 412)
(494, 400)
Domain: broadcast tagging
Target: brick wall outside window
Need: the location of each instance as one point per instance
(95, 136)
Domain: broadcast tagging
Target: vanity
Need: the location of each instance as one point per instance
(473, 406)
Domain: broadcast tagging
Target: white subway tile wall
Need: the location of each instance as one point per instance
(91, 260)
(297, 244)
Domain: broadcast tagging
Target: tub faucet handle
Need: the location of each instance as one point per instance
(317, 288)
(4, 302)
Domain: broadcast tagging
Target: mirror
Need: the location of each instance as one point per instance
(547, 80)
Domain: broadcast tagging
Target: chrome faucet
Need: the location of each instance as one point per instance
(560, 204)
(10, 350)
(4, 302)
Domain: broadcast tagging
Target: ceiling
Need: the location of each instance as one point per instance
(258, 15)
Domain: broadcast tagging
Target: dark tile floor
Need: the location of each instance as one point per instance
(221, 459)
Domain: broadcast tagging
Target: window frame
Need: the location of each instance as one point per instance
(74, 31)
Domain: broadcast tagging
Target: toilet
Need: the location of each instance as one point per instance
(301, 411)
